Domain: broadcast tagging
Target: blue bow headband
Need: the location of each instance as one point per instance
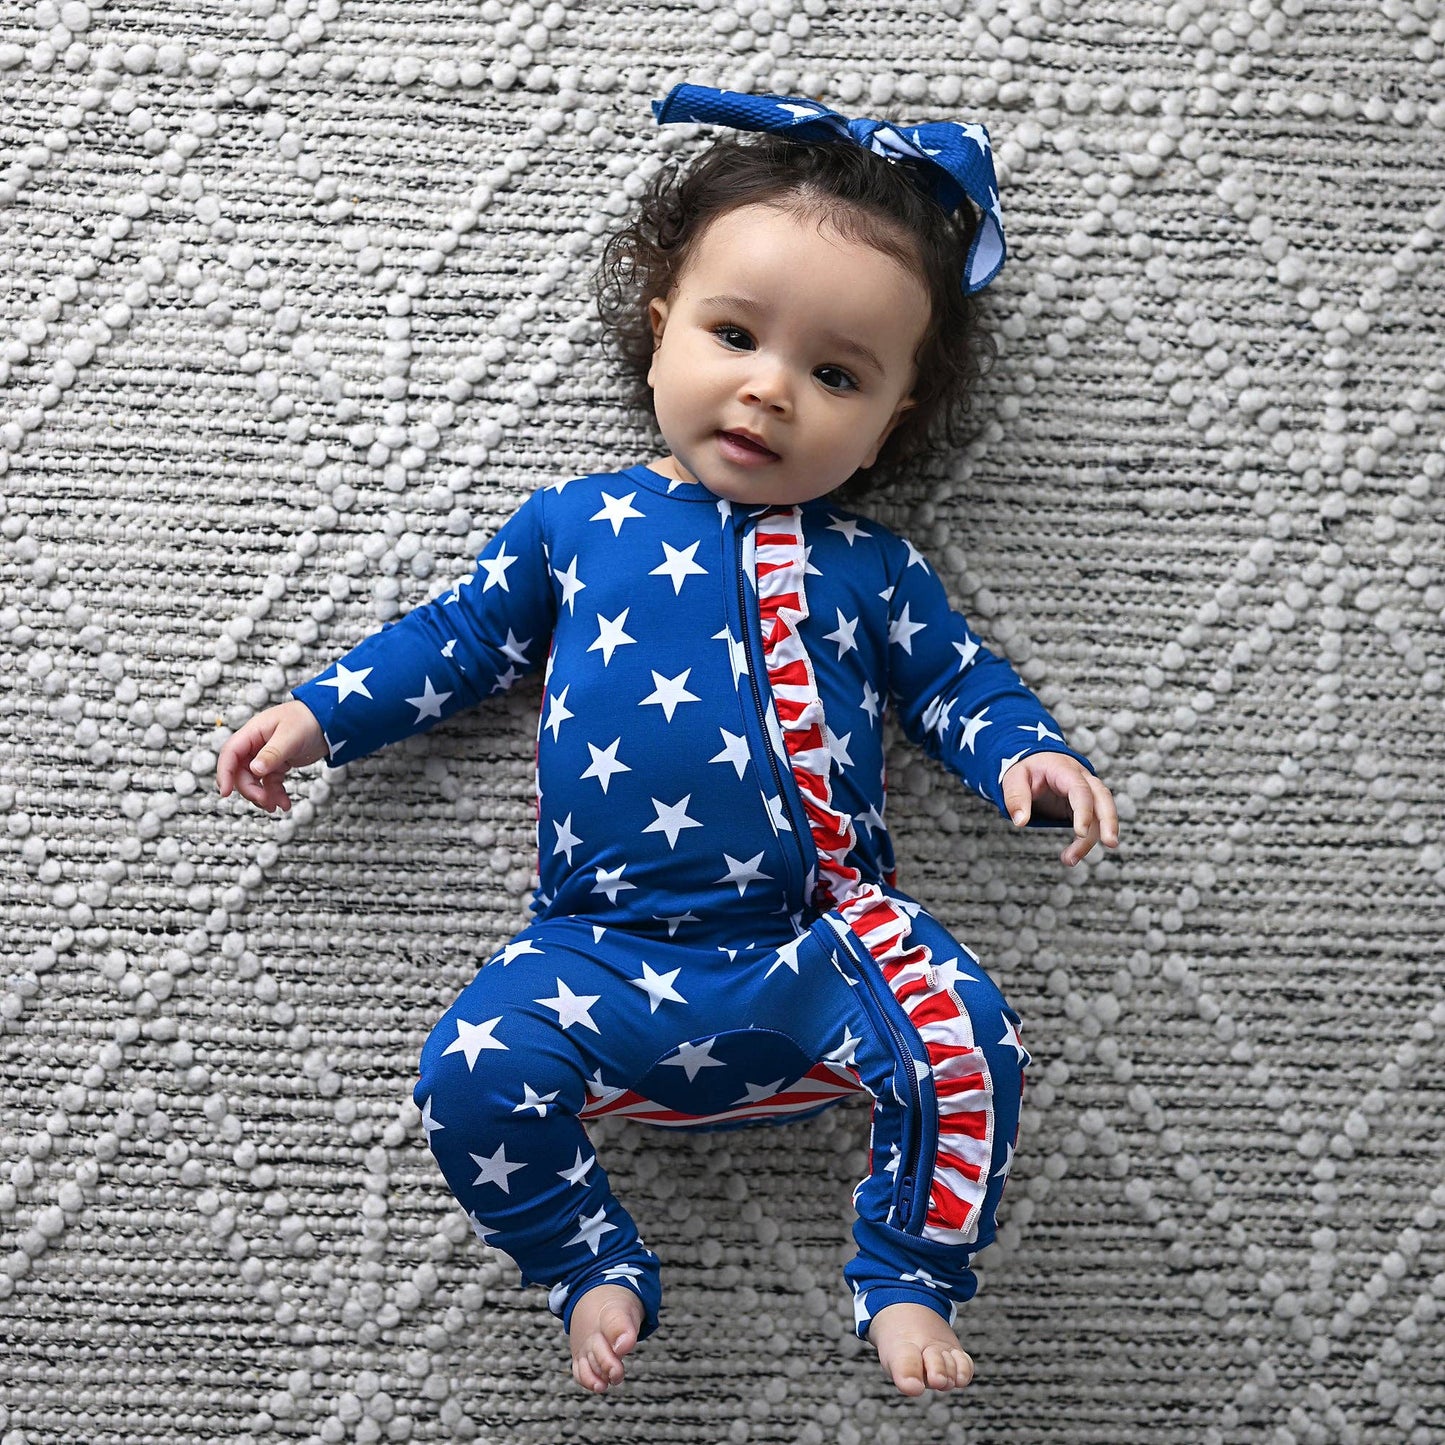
(955, 161)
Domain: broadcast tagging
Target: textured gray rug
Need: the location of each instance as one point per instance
(295, 312)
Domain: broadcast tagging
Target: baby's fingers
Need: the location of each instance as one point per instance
(1108, 813)
(267, 794)
(1086, 820)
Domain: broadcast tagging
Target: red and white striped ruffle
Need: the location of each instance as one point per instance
(822, 1084)
(961, 1080)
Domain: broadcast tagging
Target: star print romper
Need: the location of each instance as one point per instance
(718, 939)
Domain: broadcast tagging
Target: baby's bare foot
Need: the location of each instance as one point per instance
(918, 1350)
(605, 1323)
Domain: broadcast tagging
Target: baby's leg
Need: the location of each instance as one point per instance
(943, 1061)
(504, 1076)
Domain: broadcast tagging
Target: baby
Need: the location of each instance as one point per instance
(718, 936)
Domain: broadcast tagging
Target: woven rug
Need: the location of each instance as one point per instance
(295, 313)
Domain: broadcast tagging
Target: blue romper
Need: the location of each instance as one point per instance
(718, 938)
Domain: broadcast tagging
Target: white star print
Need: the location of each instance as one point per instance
(428, 1124)
(678, 566)
(694, 1058)
(610, 635)
(347, 682)
(332, 748)
(972, 727)
(948, 975)
(668, 692)
(935, 715)
(672, 819)
(604, 1093)
(496, 568)
(627, 1273)
(609, 882)
(743, 873)
(838, 748)
(673, 921)
(517, 651)
(495, 1169)
(566, 838)
(736, 652)
(735, 751)
(777, 809)
(758, 1092)
(844, 635)
(516, 949)
(657, 986)
(915, 557)
(844, 1053)
(481, 1230)
(788, 955)
(851, 530)
(871, 820)
(591, 1228)
(1007, 763)
(572, 1008)
(920, 1276)
(533, 1100)
(577, 1174)
(429, 704)
(572, 584)
(902, 628)
(870, 702)
(558, 713)
(473, 1038)
(1040, 732)
(604, 763)
(1011, 1038)
(967, 651)
(616, 510)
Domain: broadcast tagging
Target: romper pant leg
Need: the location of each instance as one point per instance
(504, 1076)
(944, 1063)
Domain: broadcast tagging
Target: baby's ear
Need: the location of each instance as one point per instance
(907, 404)
(657, 314)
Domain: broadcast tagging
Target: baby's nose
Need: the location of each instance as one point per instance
(769, 387)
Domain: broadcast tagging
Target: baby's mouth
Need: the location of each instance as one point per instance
(747, 442)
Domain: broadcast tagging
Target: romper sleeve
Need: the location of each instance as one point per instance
(457, 650)
(964, 705)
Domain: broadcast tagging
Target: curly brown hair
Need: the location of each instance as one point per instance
(865, 198)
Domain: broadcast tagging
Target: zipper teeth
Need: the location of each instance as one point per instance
(908, 1163)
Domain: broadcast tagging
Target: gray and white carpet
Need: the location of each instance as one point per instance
(295, 312)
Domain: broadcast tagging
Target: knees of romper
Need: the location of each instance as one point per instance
(499, 1051)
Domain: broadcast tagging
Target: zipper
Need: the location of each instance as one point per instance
(745, 626)
(914, 1130)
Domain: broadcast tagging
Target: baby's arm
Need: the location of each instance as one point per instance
(967, 707)
(460, 648)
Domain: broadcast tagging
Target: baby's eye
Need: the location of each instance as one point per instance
(849, 382)
(725, 333)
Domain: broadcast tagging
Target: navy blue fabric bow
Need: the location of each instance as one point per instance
(955, 161)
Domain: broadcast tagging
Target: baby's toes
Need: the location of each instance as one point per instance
(586, 1376)
(908, 1368)
(962, 1367)
(938, 1366)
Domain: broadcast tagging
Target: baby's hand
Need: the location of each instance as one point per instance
(265, 750)
(1063, 788)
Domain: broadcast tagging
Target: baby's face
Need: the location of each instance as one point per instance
(790, 334)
